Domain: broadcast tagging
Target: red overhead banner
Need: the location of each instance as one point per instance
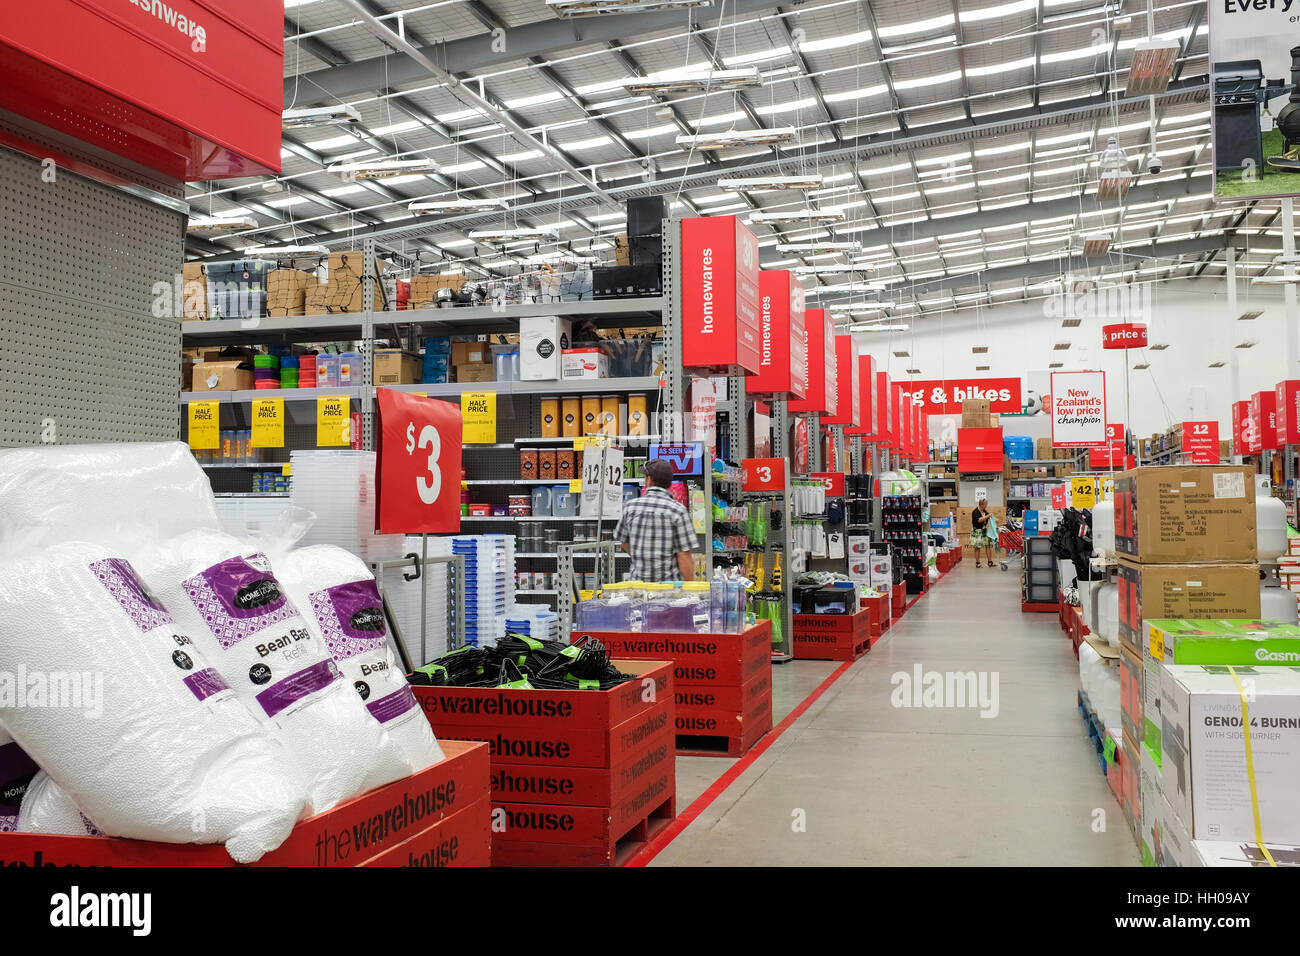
(1240, 425)
(818, 331)
(418, 464)
(1288, 412)
(922, 434)
(782, 352)
(719, 271)
(884, 409)
(192, 89)
(867, 402)
(1263, 411)
(1201, 442)
(944, 397)
(846, 381)
(896, 416)
(1128, 335)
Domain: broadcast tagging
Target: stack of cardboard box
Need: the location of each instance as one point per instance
(975, 414)
(472, 362)
(194, 294)
(963, 521)
(287, 292)
(1185, 539)
(346, 291)
(314, 298)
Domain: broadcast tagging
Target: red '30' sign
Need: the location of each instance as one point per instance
(1124, 336)
(418, 469)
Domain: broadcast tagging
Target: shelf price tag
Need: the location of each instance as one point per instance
(1201, 442)
(333, 421)
(1083, 492)
(268, 422)
(832, 481)
(602, 474)
(418, 464)
(205, 425)
(479, 413)
(763, 474)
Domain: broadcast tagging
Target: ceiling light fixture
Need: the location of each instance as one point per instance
(1141, 365)
(1247, 316)
(694, 81)
(1248, 344)
(1060, 346)
(832, 270)
(439, 207)
(1056, 365)
(736, 138)
(287, 252)
(1071, 323)
(1217, 364)
(901, 355)
(1157, 348)
(1115, 177)
(830, 246)
(210, 225)
(1096, 244)
(512, 235)
(979, 349)
(318, 116)
(795, 217)
(592, 8)
(981, 368)
(763, 184)
(913, 371)
(1152, 68)
(381, 168)
(868, 327)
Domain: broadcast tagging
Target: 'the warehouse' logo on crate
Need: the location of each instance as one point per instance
(946, 689)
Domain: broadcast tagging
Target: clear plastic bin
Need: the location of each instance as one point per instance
(327, 371)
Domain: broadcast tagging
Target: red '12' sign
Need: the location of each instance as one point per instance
(1201, 442)
(763, 474)
(418, 464)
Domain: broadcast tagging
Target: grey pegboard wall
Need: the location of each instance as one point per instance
(82, 357)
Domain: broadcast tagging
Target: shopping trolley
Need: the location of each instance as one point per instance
(1012, 542)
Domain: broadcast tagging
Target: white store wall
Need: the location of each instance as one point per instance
(1191, 316)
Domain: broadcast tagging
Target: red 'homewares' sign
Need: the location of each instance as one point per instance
(944, 397)
(847, 408)
(1201, 442)
(868, 423)
(782, 352)
(819, 332)
(885, 417)
(418, 464)
(190, 88)
(719, 271)
(1127, 335)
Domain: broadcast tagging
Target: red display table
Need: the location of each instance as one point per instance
(574, 772)
(832, 637)
(722, 683)
(445, 820)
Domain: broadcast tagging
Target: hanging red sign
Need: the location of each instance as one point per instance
(1058, 497)
(763, 474)
(782, 352)
(944, 397)
(1124, 336)
(1240, 418)
(847, 409)
(719, 273)
(418, 464)
(832, 481)
(867, 401)
(1288, 412)
(1263, 411)
(819, 343)
(1201, 442)
(1110, 457)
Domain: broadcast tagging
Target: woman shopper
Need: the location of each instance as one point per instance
(981, 525)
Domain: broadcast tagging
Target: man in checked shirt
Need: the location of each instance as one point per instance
(657, 530)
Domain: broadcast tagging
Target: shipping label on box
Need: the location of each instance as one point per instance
(1173, 514)
(1187, 591)
(1203, 769)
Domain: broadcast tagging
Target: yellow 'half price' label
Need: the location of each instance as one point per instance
(575, 485)
(478, 410)
(333, 421)
(268, 423)
(205, 425)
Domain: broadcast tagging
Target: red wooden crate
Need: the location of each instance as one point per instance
(832, 637)
(347, 835)
(463, 839)
(880, 608)
(603, 853)
(897, 600)
(723, 733)
(584, 826)
(733, 659)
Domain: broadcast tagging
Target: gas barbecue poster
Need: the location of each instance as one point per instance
(1255, 114)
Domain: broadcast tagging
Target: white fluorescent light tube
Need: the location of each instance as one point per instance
(730, 139)
(591, 8)
(561, 257)
(381, 168)
(287, 252)
(207, 225)
(762, 184)
(833, 270)
(510, 235)
(317, 116)
(441, 206)
(819, 246)
(694, 81)
(796, 216)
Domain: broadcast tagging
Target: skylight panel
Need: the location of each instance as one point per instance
(525, 101)
(397, 128)
(519, 157)
(772, 53)
(790, 107)
(919, 26)
(836, 42)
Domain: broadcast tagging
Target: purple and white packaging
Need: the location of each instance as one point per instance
(347, 614)
(115, 702)
(231, 603)
(47, 808)
(16, 772)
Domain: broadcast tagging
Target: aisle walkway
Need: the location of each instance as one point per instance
(879, 784)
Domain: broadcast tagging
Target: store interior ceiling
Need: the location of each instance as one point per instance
(960, 142)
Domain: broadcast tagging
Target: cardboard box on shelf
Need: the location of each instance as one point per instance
(395, 367)
(194, 292)
(1151, 592)
(470, 353)
(286, 291)
(475, 372)
(542, 341)
(1203, 769)
(1043, 448)
(622, 251)
(1186, 513)
(1148, 817)
(315, 299)
(424, 289)
(223, 375)
(1130, 767)
(345, 291)
(584, 364)
(974, 406)
(963, 522)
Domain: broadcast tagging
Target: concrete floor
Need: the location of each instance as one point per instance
(876, 784)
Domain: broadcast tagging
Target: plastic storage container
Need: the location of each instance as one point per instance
(1018, 447)
(327, 371)
(350, 369)
(505, 362)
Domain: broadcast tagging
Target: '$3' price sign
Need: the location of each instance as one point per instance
(419, 461)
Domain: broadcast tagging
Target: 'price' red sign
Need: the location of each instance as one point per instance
(763, 474)
(418, 470)
(1201, 442)
(832, 481)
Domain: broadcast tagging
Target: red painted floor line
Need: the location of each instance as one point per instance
(688, 816)
(702, 802)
